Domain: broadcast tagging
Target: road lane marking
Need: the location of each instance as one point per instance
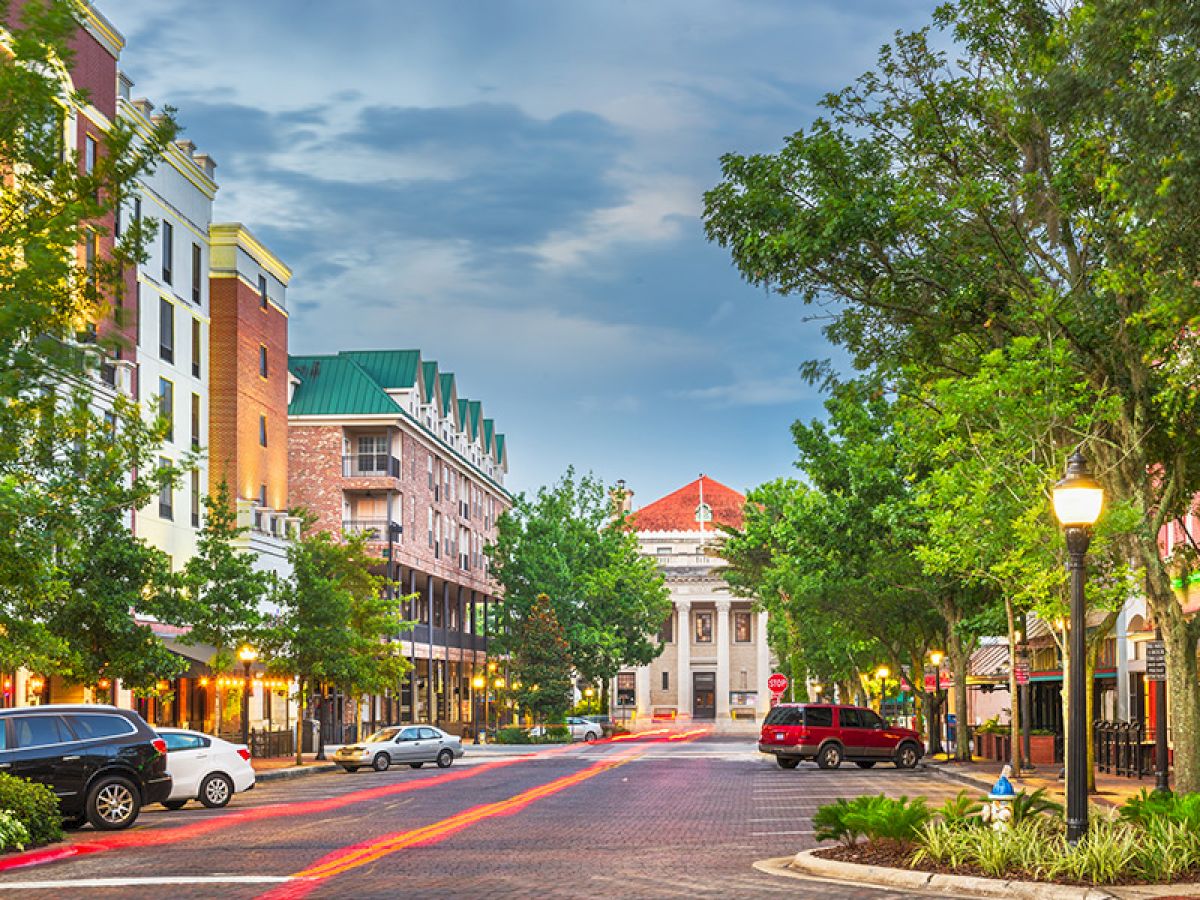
(355, 856)
(148, 881)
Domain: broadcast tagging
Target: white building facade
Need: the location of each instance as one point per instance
(716, 659)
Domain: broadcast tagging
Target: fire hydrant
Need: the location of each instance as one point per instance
(998, 810)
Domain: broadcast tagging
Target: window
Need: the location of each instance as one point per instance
(197, 348)
(373, 453)
(262, 360)
(166, 495)
(176, 742)
(197, 272)
(166, 330)
(166, 405)
(262, 291)
(39, 731)
(196, 421)
(818, 717)
(410, 734)
(117, 219)
(168, 251)
(785, 715)
(431, 473)
(195, 498)
(741, 627)
(666, 634)
(91, 253)
(89, 154)
(97, 725)
(704, 623)
(666, 681)
(850, 718)
(262, 431)
(137, 210)
(430, 527)
(869, 719)
(664, 551)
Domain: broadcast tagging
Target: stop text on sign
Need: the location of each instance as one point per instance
(777, 683)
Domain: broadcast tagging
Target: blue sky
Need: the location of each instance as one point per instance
(515, 188)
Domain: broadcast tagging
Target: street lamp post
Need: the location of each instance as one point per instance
(1078, 499)
(1162, 781)
(935, 737)
(882, 674)
(247, 655)
(498, 684)
(478, 683)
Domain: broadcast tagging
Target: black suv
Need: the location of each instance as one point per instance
(104, 763)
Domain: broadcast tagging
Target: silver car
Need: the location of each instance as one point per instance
(412, 744)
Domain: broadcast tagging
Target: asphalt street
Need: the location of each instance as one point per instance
(659, 816)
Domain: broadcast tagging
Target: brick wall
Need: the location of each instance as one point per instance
(238, 395)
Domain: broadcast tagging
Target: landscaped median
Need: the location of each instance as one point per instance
(1149, 847)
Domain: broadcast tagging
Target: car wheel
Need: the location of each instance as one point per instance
(351, 769)
(381, 762)
(216, 790)
(415, 765)
(907, 756)
(445, 758)
(830, 756)
(112, 804)
(591, 736)
(865, 763)
(175, 804)
(787, 762)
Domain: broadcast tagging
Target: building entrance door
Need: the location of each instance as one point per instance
(704, 695)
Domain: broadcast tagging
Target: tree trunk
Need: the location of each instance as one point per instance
(1014, 718)
(300, 722)
(958, 662)
(1183, 719)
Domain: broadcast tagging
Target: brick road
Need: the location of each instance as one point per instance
(634, 819)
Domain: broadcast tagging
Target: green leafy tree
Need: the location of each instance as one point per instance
(567, 542)
(71, 467)
(541, 665)
(334, 622)
(950, 207)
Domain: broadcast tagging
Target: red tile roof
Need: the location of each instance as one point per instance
(677, 511)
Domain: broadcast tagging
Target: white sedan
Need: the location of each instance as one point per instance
(205, 768)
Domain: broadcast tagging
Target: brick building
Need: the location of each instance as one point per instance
(715, 660)
(380, 443)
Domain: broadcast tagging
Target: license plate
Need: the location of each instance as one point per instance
(779, 735)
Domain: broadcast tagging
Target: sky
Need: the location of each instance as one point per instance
(515, 188)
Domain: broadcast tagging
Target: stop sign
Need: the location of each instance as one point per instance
(777, 683)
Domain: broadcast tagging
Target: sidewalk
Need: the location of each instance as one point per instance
(1111, 790)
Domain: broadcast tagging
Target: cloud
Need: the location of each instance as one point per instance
(752, 392)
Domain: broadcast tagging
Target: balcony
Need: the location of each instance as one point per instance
(370, 465)
(374, 529)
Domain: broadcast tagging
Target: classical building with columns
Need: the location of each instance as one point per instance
(715, 660)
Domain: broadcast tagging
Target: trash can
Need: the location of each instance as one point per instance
(310, 735)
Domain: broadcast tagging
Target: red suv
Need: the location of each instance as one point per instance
(828, 733)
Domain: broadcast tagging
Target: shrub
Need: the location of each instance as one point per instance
(13, 834)
(1026, 806)
(557, 733)
(1149, 807)
(513, 734)
(34, 806)
(962, 808)
(875, 817)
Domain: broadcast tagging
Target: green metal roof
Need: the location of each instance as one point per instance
(391, 369)
(336, 385)
(475, 410)
(447, 379)
(462, 412)
(430, 373)
(489, 428)
(499, 448)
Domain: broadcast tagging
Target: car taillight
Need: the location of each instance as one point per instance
(159, 744)
(244, 753)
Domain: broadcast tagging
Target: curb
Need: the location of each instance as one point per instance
(292, 772)
(805, 864)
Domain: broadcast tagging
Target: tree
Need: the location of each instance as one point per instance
(950, 208)
(334, 624)
(71, 468)
(541, 665)
(567, 543)
(224, 590)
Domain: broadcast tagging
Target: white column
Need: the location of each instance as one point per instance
(763, 664)
(683, 676)
(642, 689)
(722, 660)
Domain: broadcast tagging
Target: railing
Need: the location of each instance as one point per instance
(266, 744)
(1121, 748)
(370, 465)
(374, 529)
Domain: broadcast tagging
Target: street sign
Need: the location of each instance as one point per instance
(777, 683)
(1156, 661)
(1021, 671)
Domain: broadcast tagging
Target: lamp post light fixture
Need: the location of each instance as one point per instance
(247, 655)
(498, 684)
(1078, 499)
(478, 683)
(935, 736)
(882, 674)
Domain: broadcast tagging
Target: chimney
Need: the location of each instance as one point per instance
(124, 85)
(144, 106)
(188, 147)
(622, 499)
(206, 162)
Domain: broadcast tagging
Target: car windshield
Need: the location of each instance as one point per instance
(384, 735)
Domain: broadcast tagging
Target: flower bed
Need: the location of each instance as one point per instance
(1150, 840)
(28, 814)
